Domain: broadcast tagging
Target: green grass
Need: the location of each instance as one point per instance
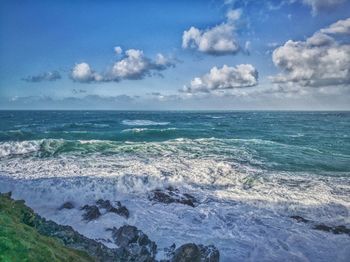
(19, 241)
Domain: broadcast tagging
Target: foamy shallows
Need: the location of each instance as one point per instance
(248, 185)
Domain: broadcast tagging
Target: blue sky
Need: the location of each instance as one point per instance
(61, 54)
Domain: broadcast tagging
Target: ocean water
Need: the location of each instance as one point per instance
(250, 172)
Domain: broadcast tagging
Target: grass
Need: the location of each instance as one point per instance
(20, 241)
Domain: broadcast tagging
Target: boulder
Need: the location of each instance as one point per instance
(196, 253)
(187, 253)
(135, 242)
(120, 209)
(91, 212)
(66, 205)
(335, 230)
(299, 219)
(172, 195)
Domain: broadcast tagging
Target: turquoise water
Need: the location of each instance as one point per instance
(287, 141)
(249, 171)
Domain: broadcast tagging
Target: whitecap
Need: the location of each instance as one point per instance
(141, 122)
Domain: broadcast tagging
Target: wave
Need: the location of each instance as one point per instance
(141, 122)
(148, 130)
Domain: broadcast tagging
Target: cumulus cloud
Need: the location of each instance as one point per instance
(134, 65)
(82, 72)
(320, 61)
(218, 40)
(47, 76)
(340, 27)
(318, 5)
(224, 78)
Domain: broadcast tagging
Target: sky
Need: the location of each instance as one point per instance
(175, 55)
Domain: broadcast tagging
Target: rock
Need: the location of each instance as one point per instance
(300, 219)
(135, 242)
(187, 253)
(335, 230)
(91, 212)
(171, 195)
(341, 230)
(106, 204)
(66, 205)
(196, 253)
(120, 209)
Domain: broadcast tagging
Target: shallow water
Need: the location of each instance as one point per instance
(250, 171)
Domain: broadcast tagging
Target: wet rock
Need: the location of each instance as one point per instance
(91, 212)
(300, 219)
(66, 205)
(187, 253)
(120, 209)
(341, 230)
(196, 253)
(135, 242)
(172, 195)
(335, 230)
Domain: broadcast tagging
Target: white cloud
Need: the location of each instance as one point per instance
(340, 27)
(224, 78)
(320, 61)
(234, 15)
(118, 50)
(134, 65)
(218, 40)
(82, 72)
(317, 5)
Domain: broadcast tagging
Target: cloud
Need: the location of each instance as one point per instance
(218, 40)
(340, 27)
(320, 61)
(133, 66)
(318, 5)
(82, 72)
(47, 76)
(224, 78)
(118, 50)
(71, 102)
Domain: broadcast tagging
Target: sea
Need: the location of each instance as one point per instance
(249, 170)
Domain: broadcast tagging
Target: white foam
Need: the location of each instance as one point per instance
(18, 148)
(243, 210)
(143, 123)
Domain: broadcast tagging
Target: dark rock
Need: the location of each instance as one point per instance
(323, 227)
(335, 230)
(66, 205)
(300, 219)
(135, 242)
(171, 195)
(120, 209)
(91, 212)
(196, 253)
(341, 230)
(187, 253)
(106, 204)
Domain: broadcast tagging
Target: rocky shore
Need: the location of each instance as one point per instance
(27, 235)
